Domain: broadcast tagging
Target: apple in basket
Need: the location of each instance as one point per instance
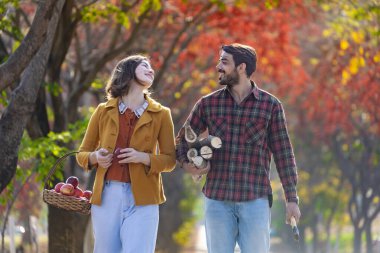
(67, 189)
(74, 181)
(58, 186)
(87, 194)
(78, 192)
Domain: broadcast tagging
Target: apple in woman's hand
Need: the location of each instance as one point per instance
(117, 151)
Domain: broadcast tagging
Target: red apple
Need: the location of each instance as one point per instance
(87, 194)
(84, 199)
(117, 151)
(74, 181)
(58, 186)
(67, 189)
(78, 192)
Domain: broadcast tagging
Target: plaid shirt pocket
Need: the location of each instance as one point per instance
(255, 131)
(218, 127)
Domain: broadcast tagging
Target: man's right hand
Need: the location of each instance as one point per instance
(193, 170)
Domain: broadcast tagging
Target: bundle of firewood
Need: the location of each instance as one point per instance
(200, 149)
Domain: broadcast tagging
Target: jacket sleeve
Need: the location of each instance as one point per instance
(165, 160)
(90, 141)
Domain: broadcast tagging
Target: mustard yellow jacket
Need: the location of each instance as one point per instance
(153, 134)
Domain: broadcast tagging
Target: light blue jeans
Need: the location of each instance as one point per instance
(119, 225)
(247, 223)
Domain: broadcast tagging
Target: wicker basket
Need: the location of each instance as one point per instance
(69, 203)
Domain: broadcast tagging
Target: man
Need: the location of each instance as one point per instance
(252, 126)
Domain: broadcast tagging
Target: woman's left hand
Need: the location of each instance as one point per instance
(130, 155)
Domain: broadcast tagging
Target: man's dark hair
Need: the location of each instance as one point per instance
(124, 72)
(242, 54)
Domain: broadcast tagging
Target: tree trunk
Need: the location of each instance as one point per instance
(27, 235)
(3, 51)
(170, 220)
(30, 45)
(66, 231)
(22, 104)
(62, 42)
(357, 240)
(314, 231)
(368, 235)
(38, 125)
(302, 242)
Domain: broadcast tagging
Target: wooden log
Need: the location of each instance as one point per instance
(191, 153)
(190, 135)
(206, 152)
(199, 162)
(211, 141)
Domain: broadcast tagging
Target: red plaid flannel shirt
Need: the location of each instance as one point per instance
(251, 132)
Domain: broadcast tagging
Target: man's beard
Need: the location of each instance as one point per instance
(230, 79)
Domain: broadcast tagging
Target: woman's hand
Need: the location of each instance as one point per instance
(101, 157)
(130, 155)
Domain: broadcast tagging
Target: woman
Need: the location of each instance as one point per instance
(130, 141)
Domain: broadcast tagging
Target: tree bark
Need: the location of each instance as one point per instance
(66, 231)
(38, 125)
(357, 240)
(368, 235)
(173, 183)
(19, 60)
(3, 51)
(22, 104)
(62, 41)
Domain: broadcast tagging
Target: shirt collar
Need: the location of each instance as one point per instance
(138, 111)
(153, 105)
(254, 91)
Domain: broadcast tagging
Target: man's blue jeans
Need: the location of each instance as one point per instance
(247, 223)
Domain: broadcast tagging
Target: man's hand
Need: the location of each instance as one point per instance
(292, 210)
(194, 171)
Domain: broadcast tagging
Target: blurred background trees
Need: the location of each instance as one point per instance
(321, 58)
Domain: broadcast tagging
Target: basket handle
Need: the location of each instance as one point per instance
(54, 168)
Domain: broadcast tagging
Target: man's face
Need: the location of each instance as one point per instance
(228, 74)
(145, 74)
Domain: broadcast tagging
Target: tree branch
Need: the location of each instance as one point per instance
(102, 59)
(19, 60)
(174, 43)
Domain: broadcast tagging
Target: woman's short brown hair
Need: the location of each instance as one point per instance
(122, 75)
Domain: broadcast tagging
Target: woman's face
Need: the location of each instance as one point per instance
(145, 73)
